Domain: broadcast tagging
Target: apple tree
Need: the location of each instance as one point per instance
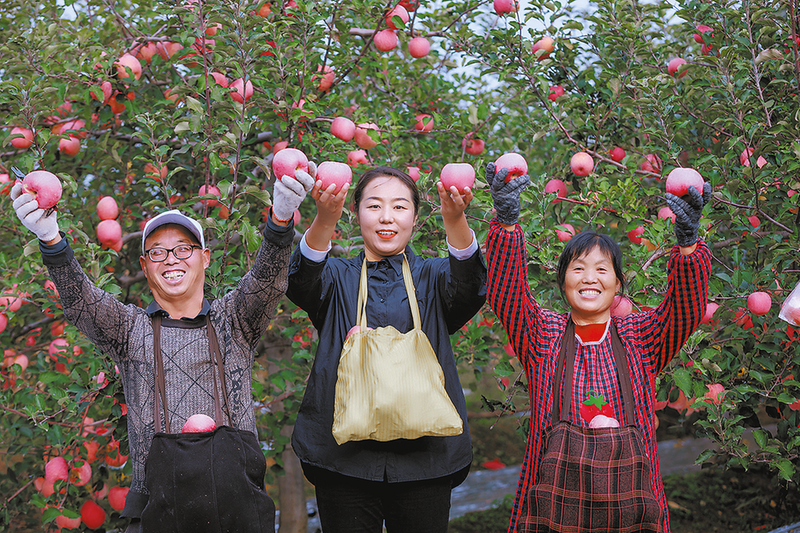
(182, 105)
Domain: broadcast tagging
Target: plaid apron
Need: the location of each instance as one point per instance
(591, 480)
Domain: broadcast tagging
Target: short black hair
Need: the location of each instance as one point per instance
(583, 243)
(385, 172)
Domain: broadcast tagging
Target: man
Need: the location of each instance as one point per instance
(174, 259)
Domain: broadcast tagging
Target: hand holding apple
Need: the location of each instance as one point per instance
(42, 222)
(688, 210)
(506, 194)
(289, 191)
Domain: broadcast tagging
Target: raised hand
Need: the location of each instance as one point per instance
(688, 209)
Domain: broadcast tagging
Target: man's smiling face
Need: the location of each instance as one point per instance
(175, 279)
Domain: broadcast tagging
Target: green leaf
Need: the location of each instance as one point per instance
(683, 379)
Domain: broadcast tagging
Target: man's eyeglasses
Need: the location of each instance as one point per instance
(182, 251)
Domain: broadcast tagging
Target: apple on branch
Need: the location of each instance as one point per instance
(617, 154)
(419, 47)
(23, 142)
(424, 123)
(357, 157)
(334, 173)
(397, 11)
(504, 7)
(458, 175)
(363, 139)
(556, 186)
(581, 164)
(343, 128)
(473, 145)
(674, 65)
(107, 208)
(542, 48)
(759, 303)
(385, 40)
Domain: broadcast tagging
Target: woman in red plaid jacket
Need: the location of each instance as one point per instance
(589, 276)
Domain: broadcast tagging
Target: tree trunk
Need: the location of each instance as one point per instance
(292, 498)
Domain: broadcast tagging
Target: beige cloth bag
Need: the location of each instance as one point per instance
(390, 384)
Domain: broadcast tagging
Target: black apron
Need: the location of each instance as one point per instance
(209, 482)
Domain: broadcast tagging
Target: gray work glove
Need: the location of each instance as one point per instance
(289, 193)
(506, 195)
(688, 209)
(42, 222)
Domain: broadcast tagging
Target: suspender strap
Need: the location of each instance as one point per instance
(566, 358)
(160, 385)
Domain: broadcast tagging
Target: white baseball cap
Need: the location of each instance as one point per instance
(173, 217)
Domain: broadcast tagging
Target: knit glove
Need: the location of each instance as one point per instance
(688, 209)
(42, 222)
(289, 192)
(506, 195)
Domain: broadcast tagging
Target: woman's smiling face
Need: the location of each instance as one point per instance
(386, 216)
(589, 286)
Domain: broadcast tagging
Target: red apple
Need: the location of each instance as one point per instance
(81, 475)
(424, 123)
(754, 221)
(75, 128)
(199, 423)
(515, 163)
(556, 186)
(357, 157)
(158, 173)
(385, 40)
(334, 173)
(759, 303)
(117, 497)
(702, 28)
(107, 208)
(264, 10)
(280, 145)
(213, 190)
(634, 235)
(617, 154)
(410, 5)
(744, 158)
(343, 128)
(419, 47)
(56, 468)
(126, 62)
(715, 392)
(652, 163)
(70, 147)
(287, 161)
(546, 45)
(363, 140)
(473, 145)
(67, 523)
(708, 316)
(674, 65)
(503, 7)
(566, 234)
(581, 164)
(458, 175)
(4, 319)
(327, 78)
(666, 213)
(107, 91)
(109, 232)
(116, 106)
(220, 79)
(413, 172)
(21, 142)
(680, 179)
(241, 91)
(396, 11)
(621, 306)
(555, 92)
(92, 514)
(603, 421)
(44, 186)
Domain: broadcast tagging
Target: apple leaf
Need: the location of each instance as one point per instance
(683, 379)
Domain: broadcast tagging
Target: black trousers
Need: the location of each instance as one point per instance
(351, 505)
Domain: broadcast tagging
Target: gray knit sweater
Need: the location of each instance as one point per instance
(124, 332)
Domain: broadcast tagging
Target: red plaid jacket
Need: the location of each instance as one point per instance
(650, 338)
